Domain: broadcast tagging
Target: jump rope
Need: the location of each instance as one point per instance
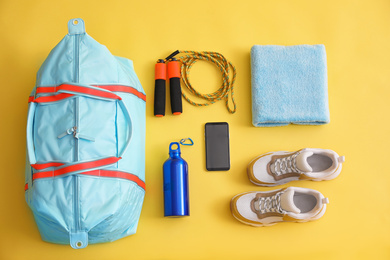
(179, 69)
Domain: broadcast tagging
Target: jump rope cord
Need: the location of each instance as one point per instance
(189, 59)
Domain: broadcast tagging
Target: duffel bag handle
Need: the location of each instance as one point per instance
(30, 145)
(67, 91)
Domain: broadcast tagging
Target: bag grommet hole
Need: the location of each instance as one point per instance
(79, 244)
(75, 22)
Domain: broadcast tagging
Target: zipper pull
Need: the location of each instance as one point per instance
(67, 132)
(73, 131)
(77, 135)
(84, 137)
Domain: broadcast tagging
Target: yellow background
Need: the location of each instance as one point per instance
(356, 35)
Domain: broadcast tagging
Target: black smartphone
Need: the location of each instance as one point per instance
(217, 146)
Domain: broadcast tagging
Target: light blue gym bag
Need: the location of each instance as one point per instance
(85, 170)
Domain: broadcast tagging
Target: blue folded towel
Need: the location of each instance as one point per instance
(289, 85)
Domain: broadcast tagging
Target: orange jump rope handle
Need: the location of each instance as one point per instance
(174, 85)
(160, 76)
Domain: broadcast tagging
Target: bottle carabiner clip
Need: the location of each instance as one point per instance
(183, 141)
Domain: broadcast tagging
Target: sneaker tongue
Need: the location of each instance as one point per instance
(287, 201)
(301, 161)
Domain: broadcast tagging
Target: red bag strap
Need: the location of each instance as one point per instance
(81, 166)
(68, 90)
(116, 174)
(41, 166)
(102, 91)
(110, 174)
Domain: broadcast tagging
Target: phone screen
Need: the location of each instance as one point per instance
(217, 146)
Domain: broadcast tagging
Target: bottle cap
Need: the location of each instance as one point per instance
(174, 152)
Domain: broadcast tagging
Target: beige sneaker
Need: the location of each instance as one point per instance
(284, 205)
(278, 168)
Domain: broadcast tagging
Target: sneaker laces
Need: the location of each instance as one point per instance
(285, 165)
(269, 204)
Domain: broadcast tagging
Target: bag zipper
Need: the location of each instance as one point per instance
(76, 129)
(78, 237)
